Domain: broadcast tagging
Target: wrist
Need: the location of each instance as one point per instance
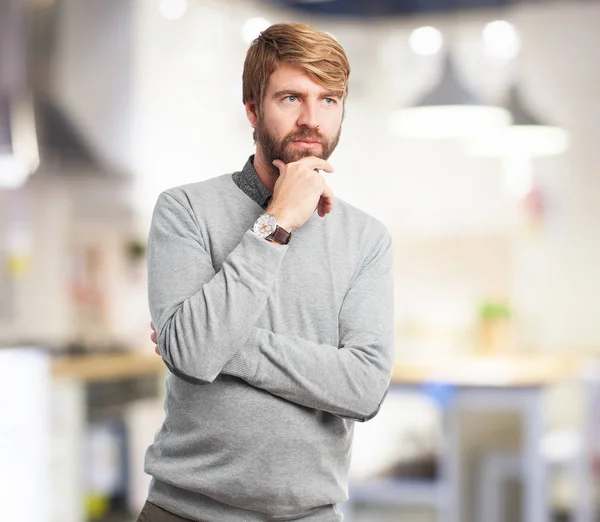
(281, 219)
(267, 227)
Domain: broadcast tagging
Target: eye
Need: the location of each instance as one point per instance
(330, 101)
(291, 98)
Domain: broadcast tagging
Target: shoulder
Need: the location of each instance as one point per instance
(202, 191)
(185, 203)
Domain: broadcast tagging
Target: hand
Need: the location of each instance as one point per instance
(298, 190)
(154, 339)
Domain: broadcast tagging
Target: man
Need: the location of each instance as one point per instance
(275, 321)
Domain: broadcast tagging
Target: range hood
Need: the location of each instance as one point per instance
(35, 133)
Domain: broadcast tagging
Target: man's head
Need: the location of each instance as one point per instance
(295, 83)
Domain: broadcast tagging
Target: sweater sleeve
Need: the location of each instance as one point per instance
(203, 317)
(348, 380)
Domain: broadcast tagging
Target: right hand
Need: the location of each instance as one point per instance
(298, 191)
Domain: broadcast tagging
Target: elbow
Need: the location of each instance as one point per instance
(374, 410)
(369, 403)
(188, 369)
(371, 379)
(183, 358)
(192, 379)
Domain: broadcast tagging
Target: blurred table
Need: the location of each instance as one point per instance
(107, 367)
(488, 371)
(507, 383)
(504, 383)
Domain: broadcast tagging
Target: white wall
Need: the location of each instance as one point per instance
(39, 310)
(557, 280)
(57, 217)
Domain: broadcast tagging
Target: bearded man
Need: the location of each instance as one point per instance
(272, 302)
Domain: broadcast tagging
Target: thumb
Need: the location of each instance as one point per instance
(279, 164)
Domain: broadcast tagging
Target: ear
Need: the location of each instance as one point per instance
(251, 113)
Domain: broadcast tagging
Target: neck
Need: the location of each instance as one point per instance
(267, 173)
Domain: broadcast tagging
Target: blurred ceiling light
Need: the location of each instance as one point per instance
(501, 40)
(518, 144)
(173, 9)
(526, 137)
(448, 111)
(13, 173)
(253, 27)
(18, 142)
(426, 41)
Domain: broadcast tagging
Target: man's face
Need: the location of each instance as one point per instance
(299, 118)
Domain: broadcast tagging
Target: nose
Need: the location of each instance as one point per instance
(308, 115)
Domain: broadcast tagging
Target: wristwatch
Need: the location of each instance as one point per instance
(267, 227)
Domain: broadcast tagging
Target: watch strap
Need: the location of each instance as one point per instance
(280, 236)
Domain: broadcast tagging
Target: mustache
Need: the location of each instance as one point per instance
(304, 134)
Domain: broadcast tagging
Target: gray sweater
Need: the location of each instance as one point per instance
(273, 352)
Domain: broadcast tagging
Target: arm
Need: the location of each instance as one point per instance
(203, 317)
(350, 380)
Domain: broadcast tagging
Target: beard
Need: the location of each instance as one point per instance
(274, 148)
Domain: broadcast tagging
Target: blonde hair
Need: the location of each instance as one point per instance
(318, 53)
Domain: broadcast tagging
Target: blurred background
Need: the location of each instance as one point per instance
(471, 131)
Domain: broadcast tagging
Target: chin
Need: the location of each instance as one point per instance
(301, 154)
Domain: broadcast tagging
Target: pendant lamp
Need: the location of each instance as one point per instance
(527, 136)
(448, 111)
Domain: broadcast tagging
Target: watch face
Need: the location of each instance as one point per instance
(265, 225)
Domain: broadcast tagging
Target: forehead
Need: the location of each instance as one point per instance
(291, 77)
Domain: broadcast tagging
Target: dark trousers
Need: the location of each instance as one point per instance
(152, 513)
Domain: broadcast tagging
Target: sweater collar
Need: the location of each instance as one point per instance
(250, 183)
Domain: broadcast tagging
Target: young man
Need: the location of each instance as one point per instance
(275, 321)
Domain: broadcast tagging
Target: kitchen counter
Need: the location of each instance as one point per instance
(107, 367)
(515, 370)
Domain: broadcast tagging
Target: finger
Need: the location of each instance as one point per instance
(325, 206)
(315, 163)
(279, 164)
(153, 338)
(326, 200)
(157, 350)
(321, 207)
(152, 326)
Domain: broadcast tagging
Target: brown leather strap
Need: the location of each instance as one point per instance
(280, 236)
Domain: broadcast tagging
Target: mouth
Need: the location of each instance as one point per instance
(306, 143)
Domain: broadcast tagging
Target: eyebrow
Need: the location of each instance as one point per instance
(333, 94)
(293, 92)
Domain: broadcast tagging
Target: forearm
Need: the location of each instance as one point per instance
(202, 317)
(206, 329)
(350, 381)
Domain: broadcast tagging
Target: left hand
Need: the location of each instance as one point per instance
(154, 339)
